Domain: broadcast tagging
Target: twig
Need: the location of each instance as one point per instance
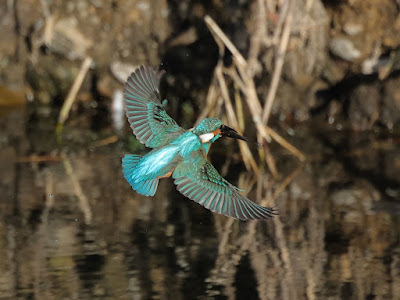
(72, 94)
(214, 28)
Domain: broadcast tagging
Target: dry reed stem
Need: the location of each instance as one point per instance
(83, 201)
(215, 29)
(283, 11)
(259, 35)
(280, 58)
(232, 72)
(263, 153)
(48, 29)
(104, 142)
(285, 144)
(63, 116)
(241, 63)
(246, 84)
(38, 158)
(239, 109)
(248, 158)
(244, 148)
(253, 103)
(270, 162)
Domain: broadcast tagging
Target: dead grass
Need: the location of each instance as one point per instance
(241, 76)
(65, 109)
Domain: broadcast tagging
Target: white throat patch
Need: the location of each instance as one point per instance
(206, 137)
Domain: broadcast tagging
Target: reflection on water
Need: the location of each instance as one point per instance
(337, 235)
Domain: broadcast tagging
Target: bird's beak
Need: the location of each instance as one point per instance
(232, 133)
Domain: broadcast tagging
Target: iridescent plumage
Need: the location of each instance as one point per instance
(178, 152)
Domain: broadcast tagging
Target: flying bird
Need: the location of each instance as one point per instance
(179, 153)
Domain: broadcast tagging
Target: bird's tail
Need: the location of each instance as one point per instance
(144, 187)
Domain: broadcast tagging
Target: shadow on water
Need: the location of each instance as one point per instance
(336, 236)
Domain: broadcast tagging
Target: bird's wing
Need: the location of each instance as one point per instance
(208, 188)
(149, 121)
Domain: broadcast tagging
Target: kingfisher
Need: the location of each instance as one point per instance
(179, 153)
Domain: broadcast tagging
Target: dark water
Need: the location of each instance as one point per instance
(72, 228)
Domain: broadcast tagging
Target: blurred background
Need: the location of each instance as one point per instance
(313, 84)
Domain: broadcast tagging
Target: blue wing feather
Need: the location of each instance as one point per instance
(207, 187)
(146, 115)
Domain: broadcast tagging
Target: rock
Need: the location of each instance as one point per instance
(364, 106)
(344, 49)
(352, 28)
(390, 115)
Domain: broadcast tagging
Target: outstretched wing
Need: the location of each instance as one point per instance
(208, 188)
(149, 121)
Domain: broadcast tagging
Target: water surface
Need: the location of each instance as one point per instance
(72, 228)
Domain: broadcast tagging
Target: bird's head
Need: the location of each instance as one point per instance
(211, 129)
